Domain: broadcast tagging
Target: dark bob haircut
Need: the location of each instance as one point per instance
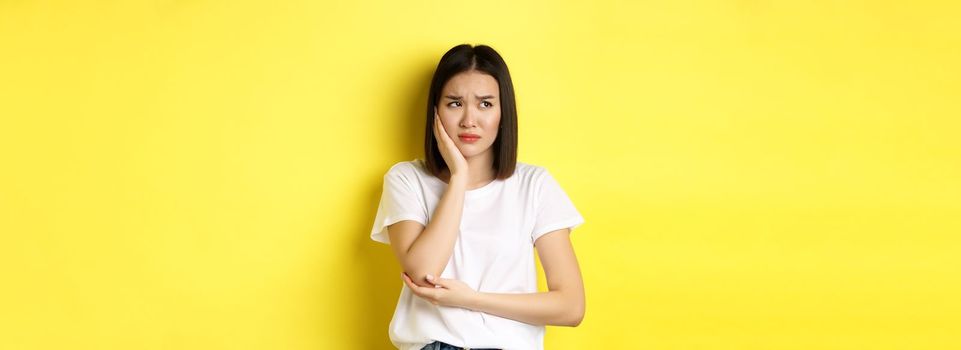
(483, 58)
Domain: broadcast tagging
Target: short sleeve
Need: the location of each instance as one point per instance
(554, 209)
(398, 201)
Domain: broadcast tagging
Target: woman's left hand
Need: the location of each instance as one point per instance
(446, 292)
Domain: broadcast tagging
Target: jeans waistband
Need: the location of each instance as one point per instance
(439, 345)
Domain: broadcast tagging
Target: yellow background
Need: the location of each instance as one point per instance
(753, 174)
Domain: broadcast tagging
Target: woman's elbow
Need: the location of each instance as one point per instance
(573, 316)
(419, 276)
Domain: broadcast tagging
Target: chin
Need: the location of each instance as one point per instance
(474, 152)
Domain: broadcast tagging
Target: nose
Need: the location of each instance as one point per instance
(467, 119)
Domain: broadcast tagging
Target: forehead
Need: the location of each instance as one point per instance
(479, 83)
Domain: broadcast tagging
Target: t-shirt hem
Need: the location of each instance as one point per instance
(381, 235)
(572, 224)
(413, 346)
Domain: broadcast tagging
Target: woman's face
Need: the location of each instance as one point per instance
(469, 104)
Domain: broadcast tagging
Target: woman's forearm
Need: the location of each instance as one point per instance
(554, 308)
(432, 249)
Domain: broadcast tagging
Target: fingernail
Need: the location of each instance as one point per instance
(429, 277)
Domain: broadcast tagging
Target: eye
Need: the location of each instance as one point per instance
(457, 102)
(488, 104)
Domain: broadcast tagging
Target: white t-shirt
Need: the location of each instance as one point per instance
(494, 252)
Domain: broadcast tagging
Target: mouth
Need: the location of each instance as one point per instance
(468, 139)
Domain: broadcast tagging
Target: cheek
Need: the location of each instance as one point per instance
(448, 123)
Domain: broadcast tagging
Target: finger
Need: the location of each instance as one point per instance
(439, 123)
(439, 282)
(440, 135)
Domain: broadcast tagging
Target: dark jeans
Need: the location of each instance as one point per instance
(439, 345)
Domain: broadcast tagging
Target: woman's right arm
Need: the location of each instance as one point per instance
(426, 250)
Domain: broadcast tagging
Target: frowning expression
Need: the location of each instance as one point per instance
(470, 110)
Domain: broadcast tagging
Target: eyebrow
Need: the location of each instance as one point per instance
(485, 97)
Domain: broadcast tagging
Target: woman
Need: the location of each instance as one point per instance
(463, 222)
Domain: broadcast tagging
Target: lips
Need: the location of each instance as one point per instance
(467, 137)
